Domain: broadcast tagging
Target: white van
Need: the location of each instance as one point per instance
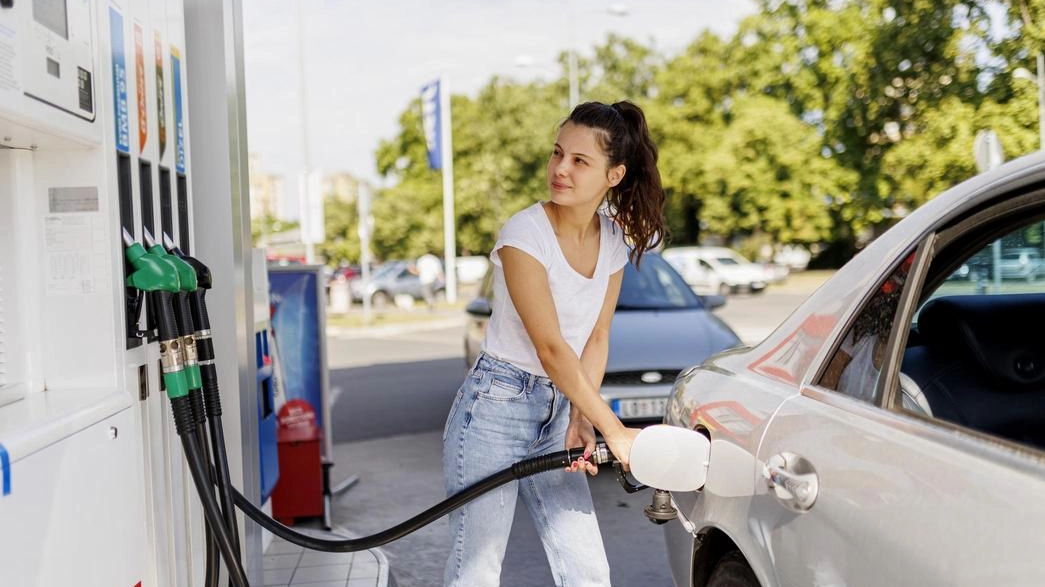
(717, 270)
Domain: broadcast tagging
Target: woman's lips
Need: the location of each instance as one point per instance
(559, 186)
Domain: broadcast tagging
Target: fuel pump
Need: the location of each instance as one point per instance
(159, 278)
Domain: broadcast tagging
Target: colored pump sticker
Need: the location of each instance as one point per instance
(179, 126)
(5, 465)
(139, 71)
(119, 81)
(161, 103)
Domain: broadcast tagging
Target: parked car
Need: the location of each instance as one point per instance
(717, 270)
(1022, 263)
(389, 280)
(659, 327)
(917, 458)
(794, 257)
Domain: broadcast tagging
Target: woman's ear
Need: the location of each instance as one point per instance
(615, 175)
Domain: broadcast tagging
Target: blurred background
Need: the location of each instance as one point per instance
(787, 129)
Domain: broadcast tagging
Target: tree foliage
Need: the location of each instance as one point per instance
(816, 122)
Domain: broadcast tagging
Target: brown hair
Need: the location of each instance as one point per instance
(637, 202)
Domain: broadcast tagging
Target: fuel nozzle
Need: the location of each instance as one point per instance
(158, 278)
(601, 454)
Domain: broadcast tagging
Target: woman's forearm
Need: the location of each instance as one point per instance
(572, 376)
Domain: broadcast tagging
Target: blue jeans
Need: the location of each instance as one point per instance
(502, 415)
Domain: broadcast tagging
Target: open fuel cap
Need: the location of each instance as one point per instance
(670, 458)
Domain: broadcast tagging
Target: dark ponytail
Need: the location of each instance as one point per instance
(637, 202)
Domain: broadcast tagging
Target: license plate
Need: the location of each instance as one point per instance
(652, 407)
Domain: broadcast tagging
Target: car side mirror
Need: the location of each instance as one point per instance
(670, 458)
(713, 301)
(479, 307)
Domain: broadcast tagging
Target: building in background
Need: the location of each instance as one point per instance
(266, 192)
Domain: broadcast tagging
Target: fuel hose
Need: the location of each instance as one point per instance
(519, 470)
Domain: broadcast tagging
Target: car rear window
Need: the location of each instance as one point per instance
(655, 286)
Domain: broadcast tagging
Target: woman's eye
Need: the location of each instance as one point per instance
(580, 161)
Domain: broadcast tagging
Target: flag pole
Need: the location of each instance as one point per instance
(449, 228)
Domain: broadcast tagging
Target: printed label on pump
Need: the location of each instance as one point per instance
(119, 81)
(179, 127)
(75, 253)
(10, 71)
(139, 70)
(161, 102)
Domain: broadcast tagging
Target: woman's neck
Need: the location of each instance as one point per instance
(571, 222)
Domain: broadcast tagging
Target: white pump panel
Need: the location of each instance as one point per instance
(58, 67)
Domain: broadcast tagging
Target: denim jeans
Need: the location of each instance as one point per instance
(501, 415)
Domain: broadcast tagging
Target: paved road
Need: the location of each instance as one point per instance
(393, 389)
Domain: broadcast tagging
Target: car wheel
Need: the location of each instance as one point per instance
(380, 300)
(733, 571)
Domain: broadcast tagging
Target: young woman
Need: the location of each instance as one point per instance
(535, 386)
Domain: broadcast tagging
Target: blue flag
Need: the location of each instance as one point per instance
(431, 121)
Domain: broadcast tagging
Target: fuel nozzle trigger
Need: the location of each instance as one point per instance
(601, 455)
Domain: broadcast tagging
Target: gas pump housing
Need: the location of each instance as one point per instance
(100, 102)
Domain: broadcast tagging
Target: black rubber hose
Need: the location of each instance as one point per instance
(213, 554)
(198, 469)
(221, 465)
(516, 471)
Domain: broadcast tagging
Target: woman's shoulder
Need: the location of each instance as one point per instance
(611, 227)
(524, 219)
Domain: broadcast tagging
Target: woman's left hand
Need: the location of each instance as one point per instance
(580, 432)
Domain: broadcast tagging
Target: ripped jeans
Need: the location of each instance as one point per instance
(501, 415)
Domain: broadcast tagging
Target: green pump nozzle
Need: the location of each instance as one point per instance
(182, 312)
(159, 279)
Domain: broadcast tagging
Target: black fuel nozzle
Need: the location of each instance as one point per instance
(602, 455)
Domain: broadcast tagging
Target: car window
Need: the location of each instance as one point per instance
(654, 285)
(857, 362)
(975, 357)
(1008, 265)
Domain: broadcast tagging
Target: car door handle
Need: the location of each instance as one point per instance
(793, 480)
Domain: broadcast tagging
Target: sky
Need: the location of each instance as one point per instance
(365, 61)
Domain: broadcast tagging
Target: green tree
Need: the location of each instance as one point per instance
(341, 225)
(767, 177)
(864, 72)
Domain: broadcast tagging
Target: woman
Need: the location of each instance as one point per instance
(535, 386)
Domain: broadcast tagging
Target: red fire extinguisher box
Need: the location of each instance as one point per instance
(299, 491)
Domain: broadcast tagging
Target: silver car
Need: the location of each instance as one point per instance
(660, 326)
(892, 430)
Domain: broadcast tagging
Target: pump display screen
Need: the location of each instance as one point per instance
(53, 15)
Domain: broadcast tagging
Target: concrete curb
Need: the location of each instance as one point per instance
(382, 560)
(393, 329)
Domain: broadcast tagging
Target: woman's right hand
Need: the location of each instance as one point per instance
(620, 445)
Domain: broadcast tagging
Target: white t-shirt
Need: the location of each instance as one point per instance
(860, 376)
(578, 299)
(428, 268)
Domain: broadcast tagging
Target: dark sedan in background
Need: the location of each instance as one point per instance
(660, 327)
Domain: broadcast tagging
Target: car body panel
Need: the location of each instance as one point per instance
(903, 499)
(905, 472)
